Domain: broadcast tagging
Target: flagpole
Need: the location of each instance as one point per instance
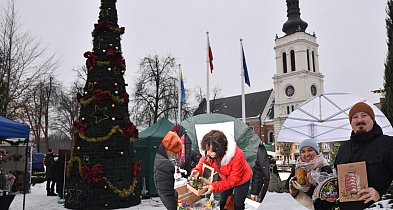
(242, 82)
(179, 97)
(207, 75)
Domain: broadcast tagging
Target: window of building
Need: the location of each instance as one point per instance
(288, 111)
(270, 137)
(308, 59)
(284, 62)
(293, 62)
(313, 61)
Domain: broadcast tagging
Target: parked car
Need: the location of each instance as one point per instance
(38, 162)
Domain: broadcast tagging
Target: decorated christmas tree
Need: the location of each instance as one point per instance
(102, 173)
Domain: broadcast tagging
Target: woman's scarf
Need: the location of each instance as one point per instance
(313, 167)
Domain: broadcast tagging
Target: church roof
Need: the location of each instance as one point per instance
(256, 104)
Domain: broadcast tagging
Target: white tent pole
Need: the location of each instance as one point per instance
(242, 82)
(64, 173)
(179, 97)
(207, 75)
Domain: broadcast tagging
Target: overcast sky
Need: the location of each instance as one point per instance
(351, 35)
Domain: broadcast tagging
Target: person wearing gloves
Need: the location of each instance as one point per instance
(261, 174)
(305, 176)
(221, 153)
(164, 169)
(367, 143)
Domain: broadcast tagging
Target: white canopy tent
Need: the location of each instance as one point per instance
(325, 119)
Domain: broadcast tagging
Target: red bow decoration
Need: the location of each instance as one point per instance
(91, 60)
(103, 25)
(126, 98)
(130, 131)
(92, 175)
(137, 168)
(102, 95)
(114, 56)
(80, 126)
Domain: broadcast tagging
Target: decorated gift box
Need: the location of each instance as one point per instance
(206, 178)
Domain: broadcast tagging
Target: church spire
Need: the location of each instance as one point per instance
(294, 23)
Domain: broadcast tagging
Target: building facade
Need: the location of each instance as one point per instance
(298, 77)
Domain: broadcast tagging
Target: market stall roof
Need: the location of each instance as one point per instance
(11, 129)
(154, 134)
(324, 118)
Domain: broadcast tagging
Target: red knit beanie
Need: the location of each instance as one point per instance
(172, 142)
(361, 107)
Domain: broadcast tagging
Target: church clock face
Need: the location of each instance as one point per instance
(289, 90)
(313, 90)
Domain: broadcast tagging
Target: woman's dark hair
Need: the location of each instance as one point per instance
(217, 142)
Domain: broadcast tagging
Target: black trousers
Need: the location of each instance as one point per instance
(50, 184)
(239, 193)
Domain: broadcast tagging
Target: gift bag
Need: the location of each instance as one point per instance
(230, 204)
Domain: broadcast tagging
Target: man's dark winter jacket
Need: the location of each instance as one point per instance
(261, 173)
(377, 150)
(164, 180)
(50, 164)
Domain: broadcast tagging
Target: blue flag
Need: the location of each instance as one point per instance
(246, 78)
(183, 92)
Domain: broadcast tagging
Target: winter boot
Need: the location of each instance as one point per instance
(52, 193)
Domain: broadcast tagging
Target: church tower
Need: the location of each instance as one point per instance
(298, 77)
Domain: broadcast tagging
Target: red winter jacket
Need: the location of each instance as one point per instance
(236, 172)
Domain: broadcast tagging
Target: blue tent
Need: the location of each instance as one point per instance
(11, 129)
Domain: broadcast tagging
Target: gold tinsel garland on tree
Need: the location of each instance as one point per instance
(122, 193)
(102, 138)
(116, 99)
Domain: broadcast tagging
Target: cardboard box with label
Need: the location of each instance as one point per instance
(352, 177)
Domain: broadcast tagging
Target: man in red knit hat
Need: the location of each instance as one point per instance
(367, 143)
(164, 169)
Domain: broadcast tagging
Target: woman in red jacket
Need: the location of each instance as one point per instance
(228, 160)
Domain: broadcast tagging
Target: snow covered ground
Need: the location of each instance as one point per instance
(37, 199)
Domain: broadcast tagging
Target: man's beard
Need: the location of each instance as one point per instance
(361, 129)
